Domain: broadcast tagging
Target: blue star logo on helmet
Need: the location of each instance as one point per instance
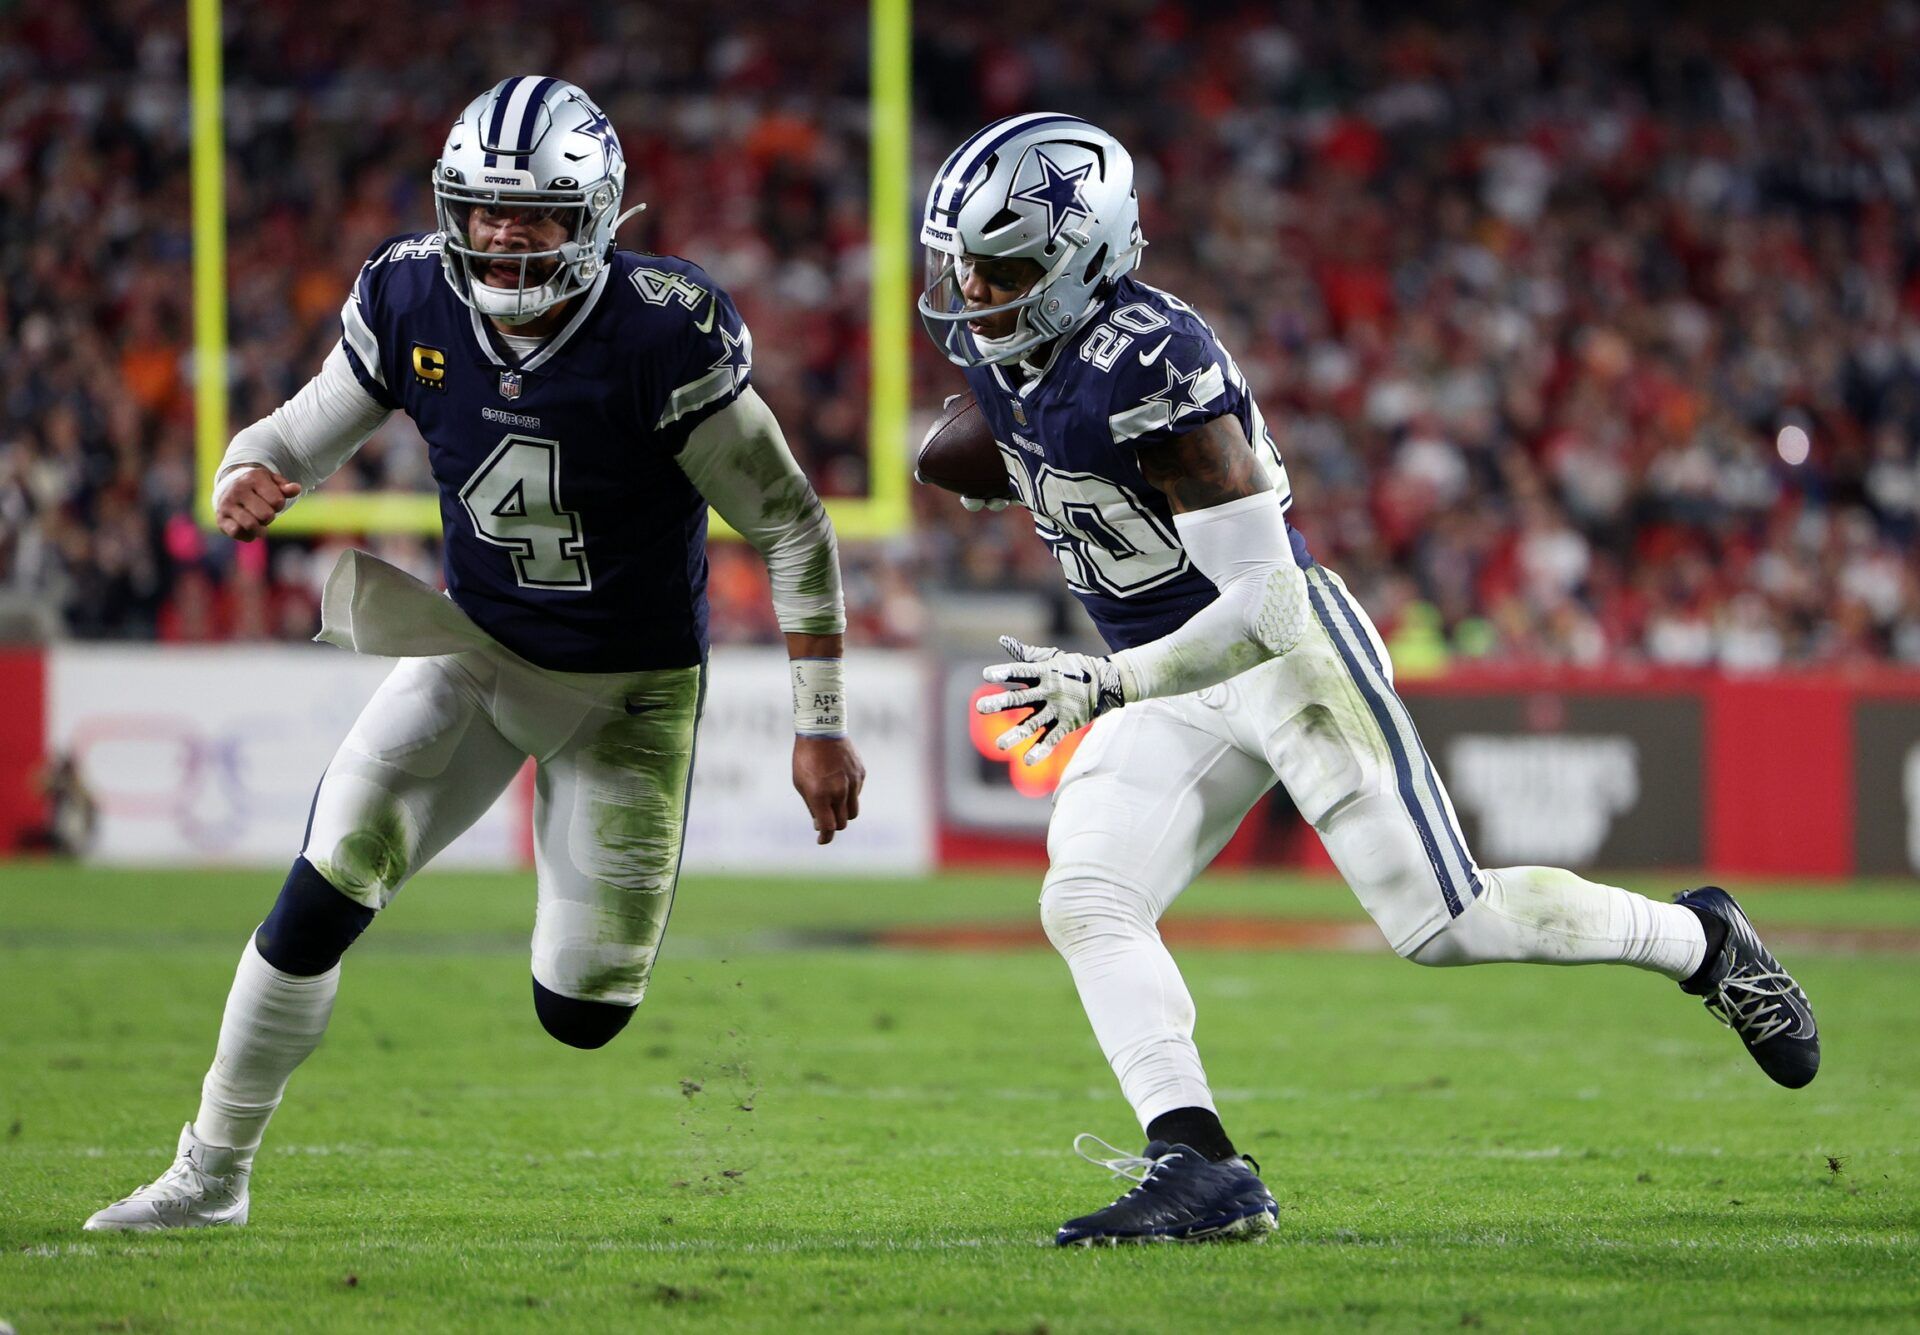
(599, 127)
(1059, 191)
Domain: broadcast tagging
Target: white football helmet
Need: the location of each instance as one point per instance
(1046, 187)
(531, 141)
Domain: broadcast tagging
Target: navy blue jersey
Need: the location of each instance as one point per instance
(571, 535)
(1143, 369)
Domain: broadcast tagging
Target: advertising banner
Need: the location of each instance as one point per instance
(23, 776)
(1886, 753)
(984, 790)
(210, 756)
(745, 815)
(1566, 779)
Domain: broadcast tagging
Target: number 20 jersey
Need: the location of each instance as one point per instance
(571, 535)
(1143, 369)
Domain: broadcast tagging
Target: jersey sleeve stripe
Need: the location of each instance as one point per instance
(691, 398)
(360, 339)
(1157, 415)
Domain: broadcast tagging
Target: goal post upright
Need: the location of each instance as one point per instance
(882, 513)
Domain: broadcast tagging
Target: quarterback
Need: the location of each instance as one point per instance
(582, 407)
(1238, 662)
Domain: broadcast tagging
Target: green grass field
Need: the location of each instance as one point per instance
(802, 1132)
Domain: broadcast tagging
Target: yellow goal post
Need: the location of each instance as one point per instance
(882, 513)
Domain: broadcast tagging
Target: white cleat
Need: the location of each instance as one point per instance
(206, 1186)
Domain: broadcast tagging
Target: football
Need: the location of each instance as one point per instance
(959, 454)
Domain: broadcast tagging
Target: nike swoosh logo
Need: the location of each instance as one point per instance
(642, 706)
(713, 306)
(1080, 677)
(1803, 1026)
(1149, 358)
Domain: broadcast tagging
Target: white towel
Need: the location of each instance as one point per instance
(372, 607)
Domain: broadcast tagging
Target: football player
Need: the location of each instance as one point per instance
(582, 407)
(1237, 662)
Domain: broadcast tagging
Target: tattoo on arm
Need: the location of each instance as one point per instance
(1207, 466)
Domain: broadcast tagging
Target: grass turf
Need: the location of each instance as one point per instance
(794, 1136)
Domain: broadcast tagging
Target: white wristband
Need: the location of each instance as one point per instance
(819, 697)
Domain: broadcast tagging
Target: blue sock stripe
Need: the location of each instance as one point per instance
(1467, 872)
(1402, 770)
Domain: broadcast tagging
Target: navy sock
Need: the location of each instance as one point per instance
(1196, 1128)
(311, 924)
(1716, 930)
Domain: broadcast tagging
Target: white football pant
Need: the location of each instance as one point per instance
(1155, 790)
(443, 737)
(437, 744)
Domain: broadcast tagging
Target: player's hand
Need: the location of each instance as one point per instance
(828, 775)
(249, 499)
(974, 504)
(1065, 692)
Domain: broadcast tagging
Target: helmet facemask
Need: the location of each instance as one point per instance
(546, 278)
(943, 309)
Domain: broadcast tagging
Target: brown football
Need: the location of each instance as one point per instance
(959, 455)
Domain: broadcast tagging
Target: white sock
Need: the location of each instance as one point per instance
(272, 1022)
(1141, 1011)
(1543, 915)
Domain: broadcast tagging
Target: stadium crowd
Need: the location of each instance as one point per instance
(744, 128)
(1528, 297)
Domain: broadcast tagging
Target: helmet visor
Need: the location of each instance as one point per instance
(944, 311)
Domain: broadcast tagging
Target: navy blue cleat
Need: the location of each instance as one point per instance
(1747, 990)
(1178, 1196)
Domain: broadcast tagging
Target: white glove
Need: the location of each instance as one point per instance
(976, 505)
(1065, 691)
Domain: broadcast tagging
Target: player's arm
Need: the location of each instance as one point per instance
(740, 462)
(1231, 527)
(1234, 533)
(297, 446)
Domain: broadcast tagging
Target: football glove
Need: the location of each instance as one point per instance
(976, 505)
(1065, 691)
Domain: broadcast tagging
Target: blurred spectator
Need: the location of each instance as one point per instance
(744, 128)
(73, 816)
(1526, 293)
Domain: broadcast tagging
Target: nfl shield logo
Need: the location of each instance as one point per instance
(1019, 412)
(509, 384)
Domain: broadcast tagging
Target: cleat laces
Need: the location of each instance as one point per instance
(1135, 1168)
(1752, 1001)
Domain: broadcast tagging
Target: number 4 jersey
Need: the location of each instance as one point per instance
(1144, 369)
(571, 535)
